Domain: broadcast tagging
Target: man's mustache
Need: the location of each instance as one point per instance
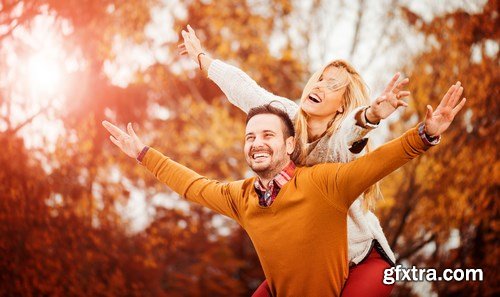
(260, 150)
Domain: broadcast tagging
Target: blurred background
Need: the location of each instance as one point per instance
(79, 218)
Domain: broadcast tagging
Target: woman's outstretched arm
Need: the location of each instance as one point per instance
(240, 89)
(357, 124)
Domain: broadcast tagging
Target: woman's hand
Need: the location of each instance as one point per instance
(191, 45)
(388, 101)
(437, 121)
(129, 143)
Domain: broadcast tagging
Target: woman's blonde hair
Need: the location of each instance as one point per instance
(355, 95)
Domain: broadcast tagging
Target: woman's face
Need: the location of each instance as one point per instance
(326, 98)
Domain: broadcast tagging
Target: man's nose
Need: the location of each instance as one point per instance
(258, 142)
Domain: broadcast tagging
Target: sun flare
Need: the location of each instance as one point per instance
(44, 73)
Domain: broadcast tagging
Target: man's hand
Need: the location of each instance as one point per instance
(191, 44)
(388, 101)
(436, 122)
(129, 143)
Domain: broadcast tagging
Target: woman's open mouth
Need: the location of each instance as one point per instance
(314, 98)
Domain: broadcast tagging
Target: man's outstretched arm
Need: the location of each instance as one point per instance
(347, 181)
(353, 178)
(220, 197)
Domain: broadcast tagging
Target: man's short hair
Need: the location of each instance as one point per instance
(288, 128)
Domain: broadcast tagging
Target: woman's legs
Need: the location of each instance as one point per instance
(262, 291)
(365, 279)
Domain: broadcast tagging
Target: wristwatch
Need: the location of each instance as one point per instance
(142, 154)
(362, 121)
(427, 139)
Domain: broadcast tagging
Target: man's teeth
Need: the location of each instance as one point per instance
(259, 155)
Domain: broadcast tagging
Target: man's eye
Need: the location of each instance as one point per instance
(250, 138)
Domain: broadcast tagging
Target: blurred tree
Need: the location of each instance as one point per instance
(62, 202)
(58, 234)
(62, 228)
(441, 211)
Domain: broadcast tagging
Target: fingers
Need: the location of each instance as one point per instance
(399, 86)
(455, 97)
(404, 82)
(131, 131)
(401, 103)
(185, 35)
(191, 34)
(381, 99)
(115, 131)
(391, 84)
(458, 107)
(429, 112)
(191, 30)
(115, 141)
(446, 98)
(182, 49)
(403, 94)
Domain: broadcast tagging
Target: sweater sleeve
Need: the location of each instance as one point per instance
(220, 197)
(345, 182)
(243, 91)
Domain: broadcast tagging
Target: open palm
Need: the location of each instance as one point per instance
(437, 121)
(389, 100)
(129, 143)
(191, 45)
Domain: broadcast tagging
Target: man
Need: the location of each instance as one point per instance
(301, 238)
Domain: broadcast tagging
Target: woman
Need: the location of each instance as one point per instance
(331, 123)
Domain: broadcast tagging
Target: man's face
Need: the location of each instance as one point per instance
(266, 150)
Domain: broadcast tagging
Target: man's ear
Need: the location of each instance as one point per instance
(290, 145)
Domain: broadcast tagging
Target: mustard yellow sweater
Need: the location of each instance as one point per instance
(293, 237)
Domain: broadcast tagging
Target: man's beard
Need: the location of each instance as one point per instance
(276, 163)
(259, 168)
(270, 170)
(255, 166)
(263, 170)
